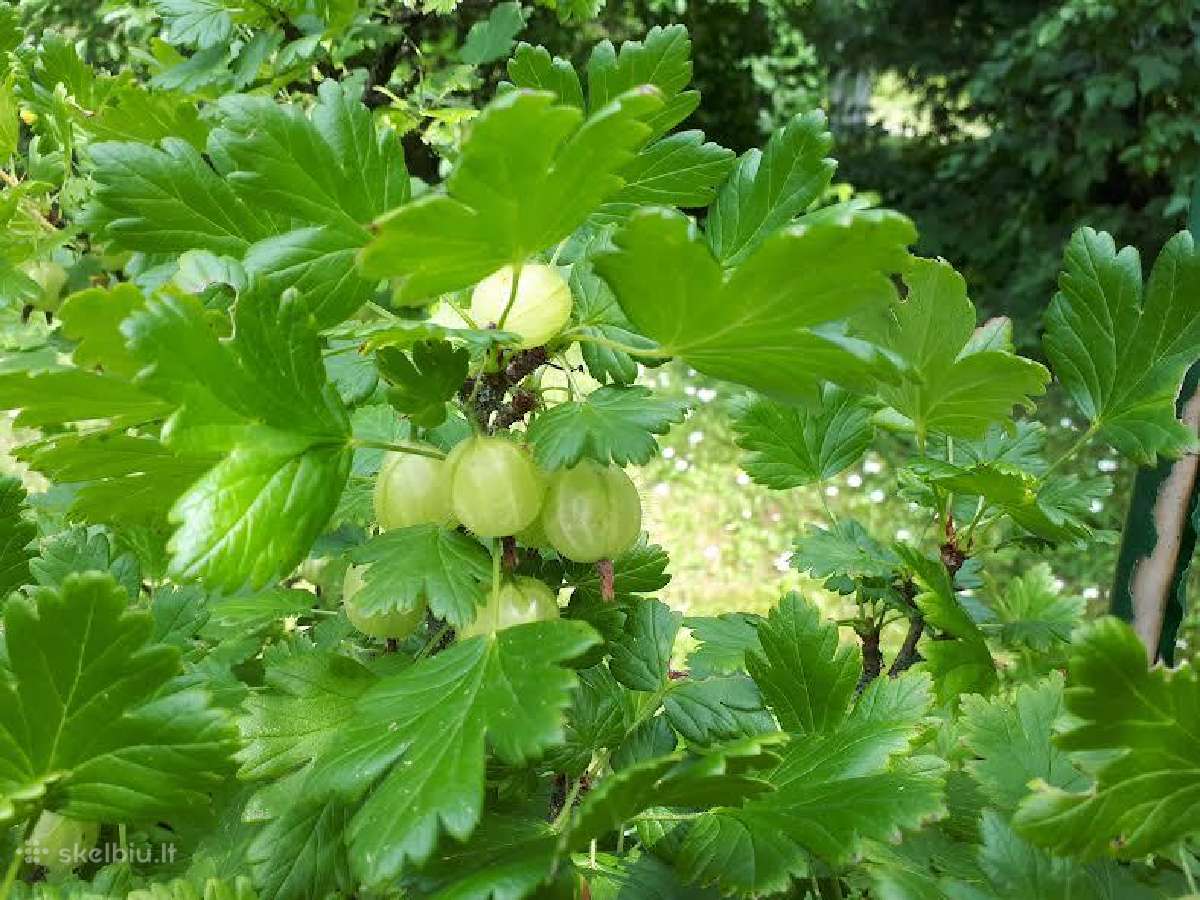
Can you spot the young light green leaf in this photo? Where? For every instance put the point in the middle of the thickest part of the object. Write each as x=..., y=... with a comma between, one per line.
x=92, y=318
x=495, y=211
x=955, y=383
x=842, y=550
x=1011, y=740
x=87, y=709
x=71, y=395
x=770, y=188
x=418, y=739
x=1121, y=354
x=772, y=323
x=424, y=563
x=1032, y=611
x=1041, y=507
x=612, y=424
x=791, y=446
x=1136, y=728
x=120, y=478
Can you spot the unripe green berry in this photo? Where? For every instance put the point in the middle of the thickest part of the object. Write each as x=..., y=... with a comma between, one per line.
x=496, y=488
x=592, y=512
x=518, y=602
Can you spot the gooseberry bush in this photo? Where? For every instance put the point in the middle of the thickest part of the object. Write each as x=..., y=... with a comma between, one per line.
x=326, y=572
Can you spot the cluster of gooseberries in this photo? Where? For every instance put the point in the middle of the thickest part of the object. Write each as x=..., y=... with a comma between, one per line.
x=491, y=486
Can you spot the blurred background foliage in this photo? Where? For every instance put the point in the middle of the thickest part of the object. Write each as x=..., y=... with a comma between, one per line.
x=998, y=125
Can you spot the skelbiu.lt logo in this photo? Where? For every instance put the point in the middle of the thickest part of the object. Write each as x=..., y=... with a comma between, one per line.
x=38, y=854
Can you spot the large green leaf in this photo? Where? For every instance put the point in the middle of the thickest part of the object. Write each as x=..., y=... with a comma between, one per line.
x=89, y=717
x=16, y=534
x=641, y=656
x=776, y=321
x=769, y=188
x=680, y=170
x=805, y=676
x=612, y=424
x=418, y=739
x=263, y=399
x=833, y=789
x=1135, y=729
x=662, y=59
x=290, y=194
x=119, y=478
x=529, y=174
x=425, y=564
x=791, y=446
x=72, y=395
x=1120, y=354
x=170, y=201
x=959, y=380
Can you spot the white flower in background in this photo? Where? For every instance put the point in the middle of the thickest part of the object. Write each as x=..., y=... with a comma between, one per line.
x=1066, y=423
x=668, y=452
x=692, y=373
x=783, y=561
x=831, y=491
x=1059, y=584
x=776, y=517
x=877, y=496
x=903, y=534
x=690, y=390
x=872, y=466
x=1097, y=506
x=706, y=395
x=681, y=465
x=695, y=437
x=662, y=489
x=1107, y=465
x=854, y=480
x=1091, y=593
x=746, y=514
x=742, y=478
x=712, y=551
